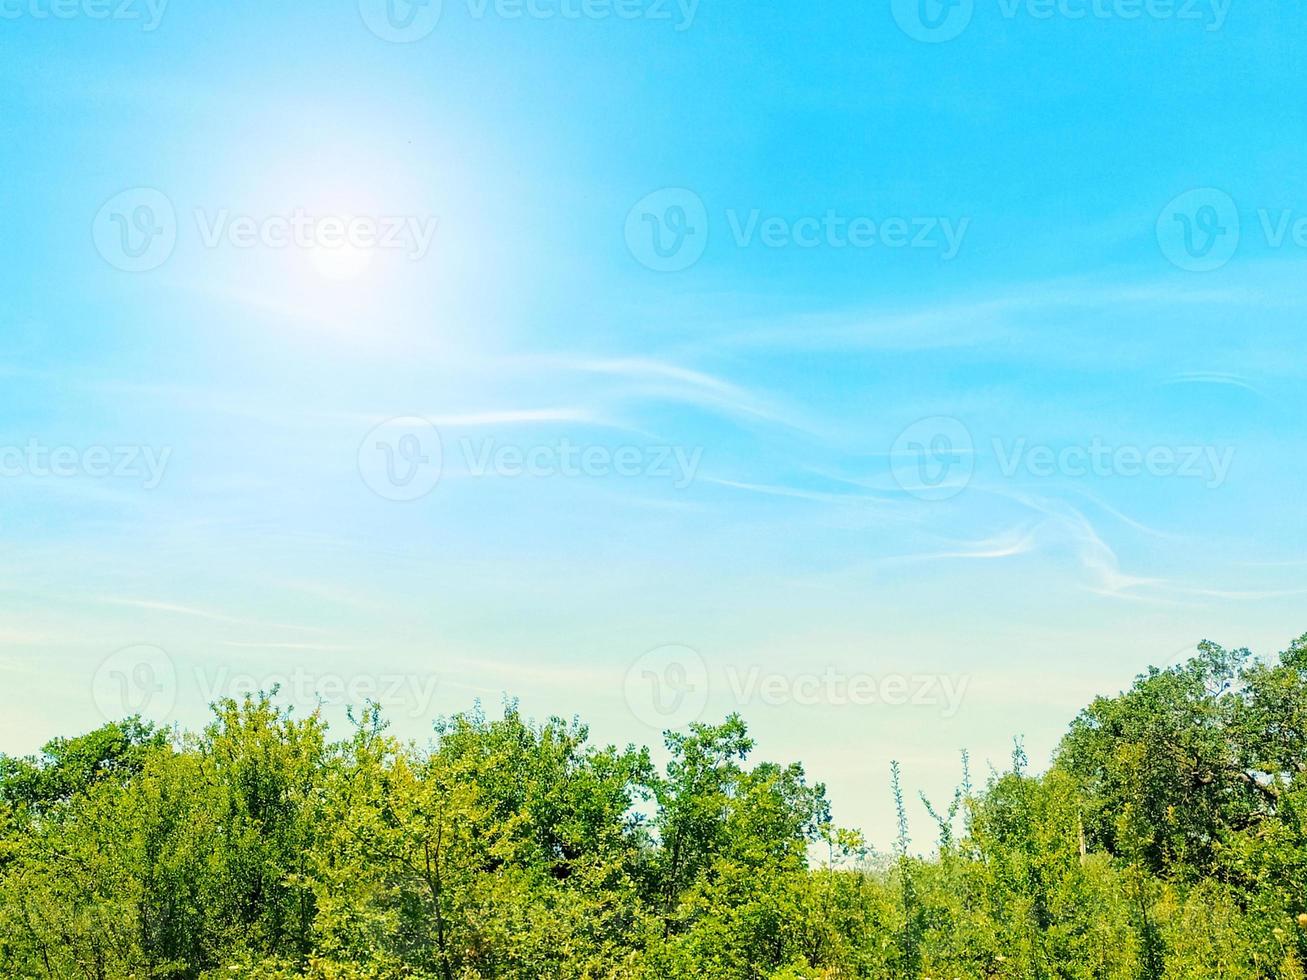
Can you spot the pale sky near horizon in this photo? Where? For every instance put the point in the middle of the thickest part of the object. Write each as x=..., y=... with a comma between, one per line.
x=900, y=376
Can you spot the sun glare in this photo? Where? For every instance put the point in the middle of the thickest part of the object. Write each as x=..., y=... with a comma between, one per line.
x=342, y=263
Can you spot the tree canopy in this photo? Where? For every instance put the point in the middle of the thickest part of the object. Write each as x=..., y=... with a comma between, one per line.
x=1166, y=840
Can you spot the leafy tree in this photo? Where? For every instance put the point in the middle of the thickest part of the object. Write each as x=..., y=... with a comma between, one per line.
x=1167, y=840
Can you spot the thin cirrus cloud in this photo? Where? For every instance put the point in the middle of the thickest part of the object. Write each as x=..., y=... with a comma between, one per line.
x=1213, y=378
x=1007, y=544
x=194, y=612
x=985, y=320
x=1106, y=577
x=795, y=493
x=646, y=380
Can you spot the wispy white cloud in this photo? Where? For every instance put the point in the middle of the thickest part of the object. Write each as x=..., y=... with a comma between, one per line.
x=780, y=490
x=195, y=612
x=1213, y=378
x=650, y=379
x=1006, y=544
x=965, y=323
x=1124, y=518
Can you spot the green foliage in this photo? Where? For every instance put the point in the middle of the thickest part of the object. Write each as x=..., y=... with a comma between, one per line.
x=68, y=766
x=1168, y=840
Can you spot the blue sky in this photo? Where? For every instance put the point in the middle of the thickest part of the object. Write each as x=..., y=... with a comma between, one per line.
x=704, y=358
